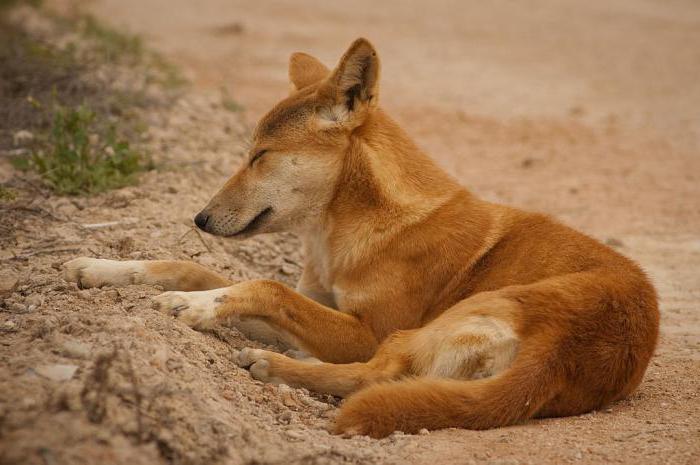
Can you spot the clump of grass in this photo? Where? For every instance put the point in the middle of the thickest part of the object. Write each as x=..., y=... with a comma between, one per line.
x=79, y=149
x=81, y=155
x=6, y=194
x=112, y=44
x=231, y=105
x=228, y=103
x=10, y=3
x=167, y=74
x=34, y=73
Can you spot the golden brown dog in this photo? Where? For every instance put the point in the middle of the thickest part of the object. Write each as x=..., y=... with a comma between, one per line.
x=429, y=307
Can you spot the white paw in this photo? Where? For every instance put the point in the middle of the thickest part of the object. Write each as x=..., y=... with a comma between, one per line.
x=97, y=272
x=257, y=361
x=196, y=309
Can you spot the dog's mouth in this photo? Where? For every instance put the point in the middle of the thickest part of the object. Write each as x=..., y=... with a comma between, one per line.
x=255, y=223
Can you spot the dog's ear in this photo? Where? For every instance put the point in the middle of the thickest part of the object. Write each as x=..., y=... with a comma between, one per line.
x=305, y=70
x=352, y=88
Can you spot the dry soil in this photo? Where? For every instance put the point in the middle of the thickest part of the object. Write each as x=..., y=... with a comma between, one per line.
x=584, y=110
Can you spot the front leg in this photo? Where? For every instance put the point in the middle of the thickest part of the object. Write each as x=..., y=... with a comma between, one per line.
x=169, y=274
x=327, y=334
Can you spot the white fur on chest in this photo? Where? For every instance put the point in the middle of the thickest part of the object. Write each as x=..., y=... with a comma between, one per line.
x=318, y=260
x=330, y=289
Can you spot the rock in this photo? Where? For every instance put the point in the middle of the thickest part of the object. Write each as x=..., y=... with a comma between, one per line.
x=56, y=372
x=113, y=294
x=34, y=301
x=75, y=349
x=577, y=111
x=527, y=163
x=125, y=246
x=173, y=364
x=67, y=397
x=8, y=283
x=103, y=437
x=287, y=269
x=28, y=403
x=9, y=327
x=160, y=358
x=284, y=388
x=287, y=395
x=22, y=137
x=15, y=307
x=229, y=395
x=45, y=327
x=296, y=435
x=613, y=242
x=423, y=432
x=313, y=403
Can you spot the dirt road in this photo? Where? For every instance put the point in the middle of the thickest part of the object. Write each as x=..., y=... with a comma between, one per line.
x=585, y=110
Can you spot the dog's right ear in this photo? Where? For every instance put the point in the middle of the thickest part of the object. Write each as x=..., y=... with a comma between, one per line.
x=351, y=91
x=305, y=70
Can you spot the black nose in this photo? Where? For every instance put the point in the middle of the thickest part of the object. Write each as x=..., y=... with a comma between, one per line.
x=201, y=220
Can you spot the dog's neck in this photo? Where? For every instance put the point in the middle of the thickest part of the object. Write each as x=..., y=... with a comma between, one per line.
x=387, y=179
x=386, y=185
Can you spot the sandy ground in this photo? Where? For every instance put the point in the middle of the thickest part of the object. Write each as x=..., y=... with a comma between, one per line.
x=585, y=110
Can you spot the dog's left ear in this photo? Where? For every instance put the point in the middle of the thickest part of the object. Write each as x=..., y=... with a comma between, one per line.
x=305, y=70
x=352, y=88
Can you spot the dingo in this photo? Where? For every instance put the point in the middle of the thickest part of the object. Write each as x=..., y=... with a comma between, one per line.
x=429, y=307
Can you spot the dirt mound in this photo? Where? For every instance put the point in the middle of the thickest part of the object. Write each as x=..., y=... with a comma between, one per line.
x=98, y=373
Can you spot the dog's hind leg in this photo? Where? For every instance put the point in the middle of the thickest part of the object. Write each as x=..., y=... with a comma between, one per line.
x=389, y=363
x=171, y=275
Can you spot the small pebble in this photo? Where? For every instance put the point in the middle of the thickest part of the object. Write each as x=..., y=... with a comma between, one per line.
x=75, y=349
x=35, y=300
x=57, y=372
x=22, y=137
x=295, y=434
x=287, y=270
x=8, y=283
x=614, y=242
x=15, y=307
x=9, y=327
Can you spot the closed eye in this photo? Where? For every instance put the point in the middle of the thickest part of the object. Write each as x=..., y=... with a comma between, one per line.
x=257, y=155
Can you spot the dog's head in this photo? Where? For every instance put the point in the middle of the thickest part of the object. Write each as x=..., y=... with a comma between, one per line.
x=298, y=148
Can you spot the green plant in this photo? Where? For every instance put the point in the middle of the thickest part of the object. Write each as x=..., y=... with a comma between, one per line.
x=167, y=74
x=82, y=155
x=112, y=44
x=229, y=103
x=6, y=194
x=10, y=3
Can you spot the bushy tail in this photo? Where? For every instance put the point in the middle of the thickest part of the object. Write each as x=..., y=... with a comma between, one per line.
x=432, y=403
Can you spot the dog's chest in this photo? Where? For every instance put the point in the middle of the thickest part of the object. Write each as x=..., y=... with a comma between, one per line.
x=329, y=268
x=318, y=260
x=320, y=263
